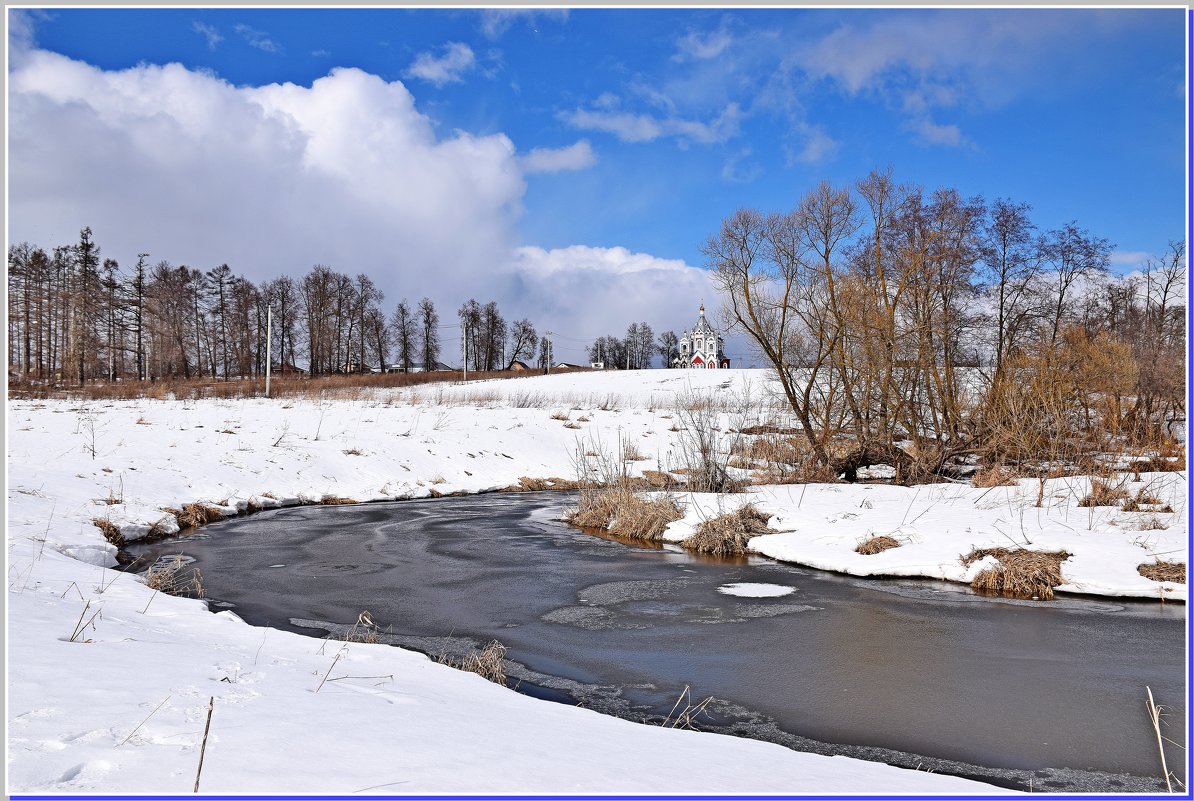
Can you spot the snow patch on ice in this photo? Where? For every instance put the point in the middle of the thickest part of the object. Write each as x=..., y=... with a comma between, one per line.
x=748, y=590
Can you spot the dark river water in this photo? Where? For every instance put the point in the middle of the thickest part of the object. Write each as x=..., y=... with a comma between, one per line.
x=1042, y=696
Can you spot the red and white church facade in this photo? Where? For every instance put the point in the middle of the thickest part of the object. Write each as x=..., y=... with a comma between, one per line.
x=701, y=348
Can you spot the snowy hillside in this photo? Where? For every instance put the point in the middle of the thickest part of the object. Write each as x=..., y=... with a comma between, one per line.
x=93, y=653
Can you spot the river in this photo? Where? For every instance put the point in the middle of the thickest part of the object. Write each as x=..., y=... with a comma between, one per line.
x=1029, y=695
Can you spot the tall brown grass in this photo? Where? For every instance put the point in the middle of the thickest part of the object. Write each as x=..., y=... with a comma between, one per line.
x=1161, y=570
x=1021, y=573
x=728, y=534
x=281, y=386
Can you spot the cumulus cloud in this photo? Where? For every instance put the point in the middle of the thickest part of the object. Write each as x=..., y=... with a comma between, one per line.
x=274, y=179
x=590, y=291
x=450, y=67
x=578, y=156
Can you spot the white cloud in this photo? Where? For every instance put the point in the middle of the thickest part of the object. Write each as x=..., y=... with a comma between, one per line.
x=1129, y=258
x=931, y=133
x=457, y=59
x=209, y=32
x=576, y=156
x=697, y=46
x=818, y=146
x=496, y=21
x=271, y=180
x=630, y=127
x=256, y=38
x=738, y=169
x=588, y=292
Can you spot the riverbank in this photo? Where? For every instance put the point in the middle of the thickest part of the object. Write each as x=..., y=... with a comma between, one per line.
x=122, y=462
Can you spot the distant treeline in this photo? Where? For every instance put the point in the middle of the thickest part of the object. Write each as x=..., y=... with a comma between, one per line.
x=74, y=318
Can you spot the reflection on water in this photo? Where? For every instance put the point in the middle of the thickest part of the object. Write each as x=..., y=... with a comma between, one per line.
x=879, y=669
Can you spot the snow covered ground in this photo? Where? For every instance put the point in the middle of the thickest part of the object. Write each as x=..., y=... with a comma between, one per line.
x=109, y=683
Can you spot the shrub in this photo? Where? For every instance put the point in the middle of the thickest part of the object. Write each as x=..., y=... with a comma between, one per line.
x=1021, y=573
x=728, y=534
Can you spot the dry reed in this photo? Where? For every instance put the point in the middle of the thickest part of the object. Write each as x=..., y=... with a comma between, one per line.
x=1103, y=493
x=728, y=534
x=994, y=476
x=1020, y=573
x=877, y=544
x=1161, y=570
x=110, y=531
x=623, y=511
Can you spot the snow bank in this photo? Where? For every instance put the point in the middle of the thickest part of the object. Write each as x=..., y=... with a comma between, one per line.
x=81, y=713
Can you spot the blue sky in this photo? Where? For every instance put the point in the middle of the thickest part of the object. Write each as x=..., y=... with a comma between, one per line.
x=626, y=129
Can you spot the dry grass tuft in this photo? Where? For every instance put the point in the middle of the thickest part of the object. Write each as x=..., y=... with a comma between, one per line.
x=195, y=514
x=1103, y=493
x=631, y=453
x=334, y=500
x=109, y=530
x=1020, y=573
x=1163, y=571
x=486, y=664
x=877, y=544
x=173, y=577
x=994, y=476
x=363, y=631
x=354, y=452
x=728, y=534
x=527, y=484
x=1142, y=498
x=623, y=511
x=657, y=479
x=1151, y=523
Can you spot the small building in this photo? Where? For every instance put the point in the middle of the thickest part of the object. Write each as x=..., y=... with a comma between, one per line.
x=519, y=367
x=417, y=367
x=570, y=366
x=701, y=347
x=286, y=369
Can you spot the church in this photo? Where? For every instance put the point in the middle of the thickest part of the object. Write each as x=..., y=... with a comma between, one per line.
x=701, y=348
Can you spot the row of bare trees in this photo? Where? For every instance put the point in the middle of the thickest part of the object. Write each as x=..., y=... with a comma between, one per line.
x=74, y=319
x=911, y=328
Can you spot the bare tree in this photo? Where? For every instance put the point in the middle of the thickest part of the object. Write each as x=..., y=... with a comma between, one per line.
x=429, y=336
x=405, y=330
x=523, y=341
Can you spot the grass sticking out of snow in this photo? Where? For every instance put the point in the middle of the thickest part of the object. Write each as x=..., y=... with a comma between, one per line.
x=728, y=534
x=994, y=476
x=1020, y=573
x=624, y=511
x=195, y=514
x=109, y=530
x=1103, y=493
x=877, y=544
x=1161, y=570
x=487, y=663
